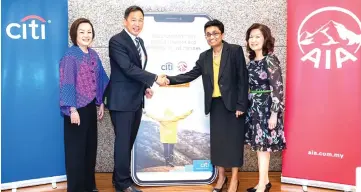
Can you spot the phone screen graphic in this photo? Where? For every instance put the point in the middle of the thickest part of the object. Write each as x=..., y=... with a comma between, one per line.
x=172, y=145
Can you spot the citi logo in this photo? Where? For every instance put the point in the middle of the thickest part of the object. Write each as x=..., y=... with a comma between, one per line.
x=167, y=67
x=28, y=30
x=204, y=165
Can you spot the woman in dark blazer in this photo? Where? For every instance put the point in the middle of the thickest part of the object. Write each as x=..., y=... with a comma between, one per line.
x=225, y=83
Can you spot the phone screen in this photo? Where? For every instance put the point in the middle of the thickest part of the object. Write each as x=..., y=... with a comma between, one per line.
x=172, y=146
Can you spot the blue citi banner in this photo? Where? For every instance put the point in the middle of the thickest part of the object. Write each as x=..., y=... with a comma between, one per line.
x=34, y=38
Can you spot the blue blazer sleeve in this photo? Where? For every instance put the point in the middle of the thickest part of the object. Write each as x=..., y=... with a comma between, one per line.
x=119, y=54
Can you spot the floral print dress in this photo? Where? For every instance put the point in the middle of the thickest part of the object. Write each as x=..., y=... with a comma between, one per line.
x=266, y=96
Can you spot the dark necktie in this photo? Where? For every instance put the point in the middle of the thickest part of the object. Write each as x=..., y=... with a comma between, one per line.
x=139, y=47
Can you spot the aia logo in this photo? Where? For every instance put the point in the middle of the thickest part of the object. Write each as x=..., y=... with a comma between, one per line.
x=31, y=26
x=330, y=42
x=182, y=66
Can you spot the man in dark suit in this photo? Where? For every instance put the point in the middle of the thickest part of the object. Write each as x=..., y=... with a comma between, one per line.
x=129, y=82
x=225, y=82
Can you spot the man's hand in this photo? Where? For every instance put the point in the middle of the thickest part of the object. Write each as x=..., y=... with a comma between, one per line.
x=239, y=113
x=148, y=93
x=162, y=80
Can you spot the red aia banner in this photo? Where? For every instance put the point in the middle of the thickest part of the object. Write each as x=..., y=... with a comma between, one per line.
x=323, y=94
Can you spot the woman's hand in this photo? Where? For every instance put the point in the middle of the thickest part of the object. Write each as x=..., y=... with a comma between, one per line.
x=272, y=121
x=101, y=111
x=238, y=113
x=74, y=116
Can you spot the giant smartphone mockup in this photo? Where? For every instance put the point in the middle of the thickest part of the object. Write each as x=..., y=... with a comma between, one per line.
x=173, y=142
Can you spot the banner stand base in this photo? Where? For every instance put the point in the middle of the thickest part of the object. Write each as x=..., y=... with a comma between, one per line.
x=312, y=183
x=33, y=182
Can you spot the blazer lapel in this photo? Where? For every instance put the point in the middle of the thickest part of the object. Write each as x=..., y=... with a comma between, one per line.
x=209, y=64
x=224, y=58
x=132, y=45
x=145, y=53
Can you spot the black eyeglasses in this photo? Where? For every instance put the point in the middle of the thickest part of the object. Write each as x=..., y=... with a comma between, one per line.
x=209, y=35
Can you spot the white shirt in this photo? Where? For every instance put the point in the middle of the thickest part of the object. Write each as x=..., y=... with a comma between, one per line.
x=142, y=58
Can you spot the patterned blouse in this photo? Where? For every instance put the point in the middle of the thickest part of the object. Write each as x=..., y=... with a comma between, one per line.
x=266, y=75
x=82, y=79
x=276, y=83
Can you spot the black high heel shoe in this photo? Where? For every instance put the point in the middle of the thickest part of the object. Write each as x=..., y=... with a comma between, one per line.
x=223, y=185
x=268, y=187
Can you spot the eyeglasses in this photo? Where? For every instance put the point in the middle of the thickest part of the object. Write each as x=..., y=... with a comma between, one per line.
x=209, y=35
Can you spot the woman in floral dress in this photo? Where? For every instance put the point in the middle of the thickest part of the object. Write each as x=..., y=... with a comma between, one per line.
x=264, y=118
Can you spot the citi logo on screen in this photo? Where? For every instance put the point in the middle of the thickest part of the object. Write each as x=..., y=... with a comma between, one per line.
x=167, y=66
x=29, y=27
x=202, y=165
x=329, y=43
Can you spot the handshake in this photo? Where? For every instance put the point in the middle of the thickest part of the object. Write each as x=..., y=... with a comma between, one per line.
x=162, y=80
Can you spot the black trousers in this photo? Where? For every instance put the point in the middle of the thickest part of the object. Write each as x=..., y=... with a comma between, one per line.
x=81, y=149
x=126, y=126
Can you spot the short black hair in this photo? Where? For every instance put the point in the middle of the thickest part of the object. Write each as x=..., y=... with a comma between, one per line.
x=132, y=8
x=215, y=23
x=74, y=29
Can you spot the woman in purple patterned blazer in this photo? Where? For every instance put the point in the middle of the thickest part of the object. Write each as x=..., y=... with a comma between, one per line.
x=82, y=84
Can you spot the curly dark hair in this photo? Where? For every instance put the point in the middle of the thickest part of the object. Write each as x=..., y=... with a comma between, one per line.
x=269, y=41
